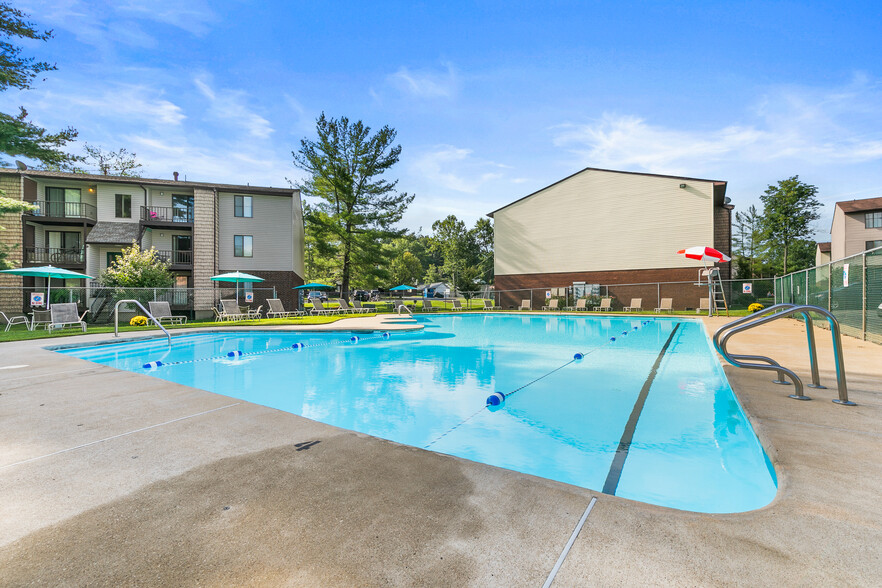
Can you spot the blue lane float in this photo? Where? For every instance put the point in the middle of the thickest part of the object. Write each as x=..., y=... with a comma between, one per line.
x=496, y=399
x=578, y=356
x=298, y=346
x=386, y=335
x=354, y=339
x=236, y=353
x=152, y=364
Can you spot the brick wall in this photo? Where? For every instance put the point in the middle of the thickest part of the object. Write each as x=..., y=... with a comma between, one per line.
x=204, y=249
x=284, y=282
x=622, y=286
x=723, y=238
x=11, y=300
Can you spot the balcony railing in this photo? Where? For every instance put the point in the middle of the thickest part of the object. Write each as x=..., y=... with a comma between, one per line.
x=54, y=256
x=54, y=209
x=166, y=214
x=179, y=257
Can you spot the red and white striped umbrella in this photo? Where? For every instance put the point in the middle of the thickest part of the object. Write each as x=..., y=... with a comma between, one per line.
x=706, y=254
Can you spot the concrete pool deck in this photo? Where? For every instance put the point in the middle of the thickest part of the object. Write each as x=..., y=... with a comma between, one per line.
x=114, y=478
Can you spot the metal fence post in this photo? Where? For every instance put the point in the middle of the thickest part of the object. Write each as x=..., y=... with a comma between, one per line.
x=829, y=288
x=864, y=296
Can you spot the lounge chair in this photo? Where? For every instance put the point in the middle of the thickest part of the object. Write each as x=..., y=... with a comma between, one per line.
x=581, y=304
x=488, y=305
x=65, y=314
x=457, y=305
x=357, y=307
x=525, y=305
x=703, y=304
x=552, y=305
x=427, y=305
x=319, y=308
x=230, y=311
x=345, y=308
x=19, y=319
x=255, y=313
x=605, y=304
x=161, y=311
x=666, y=304
x=277, y=309
x=636, y=304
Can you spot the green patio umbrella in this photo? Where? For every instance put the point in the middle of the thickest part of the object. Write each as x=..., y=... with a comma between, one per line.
x=237, y=277
x=48, y=272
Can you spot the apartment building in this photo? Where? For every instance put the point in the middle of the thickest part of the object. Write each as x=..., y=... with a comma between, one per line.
x=82, y=222
x=609, y=227
x=857, y=226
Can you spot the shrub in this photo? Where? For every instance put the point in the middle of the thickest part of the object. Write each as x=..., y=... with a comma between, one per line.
x=755, y=307
x=138, y=321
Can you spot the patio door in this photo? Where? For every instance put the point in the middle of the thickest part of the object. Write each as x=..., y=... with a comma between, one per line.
x=63, y=202
x=182, y=249
x=182, y=208
x=179, y=297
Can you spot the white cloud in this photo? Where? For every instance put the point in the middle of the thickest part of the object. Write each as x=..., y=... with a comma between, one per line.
x=454, y=168
x=813, y=127
x=426, y=83
x=230, y=106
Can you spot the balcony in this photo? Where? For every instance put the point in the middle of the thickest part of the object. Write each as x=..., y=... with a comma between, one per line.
x=166, y=216
x=54, y=212
x=179, y=260
x=55, y=256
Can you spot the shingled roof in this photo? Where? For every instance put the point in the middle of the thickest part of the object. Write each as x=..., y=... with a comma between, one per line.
x=109, y=233
x=860, y=205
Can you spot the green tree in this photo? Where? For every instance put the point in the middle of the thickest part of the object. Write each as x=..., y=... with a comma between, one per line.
x=18, y=136
x=137, y=268
x=10, y=206
x=466, y=254
x=357, y=209
x=482, y=236
x=789, y=209
x=113, y=163
x=406, y=269
x=746, y=238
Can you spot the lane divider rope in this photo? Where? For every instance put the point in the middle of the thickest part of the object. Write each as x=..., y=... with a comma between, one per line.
x=237, y=353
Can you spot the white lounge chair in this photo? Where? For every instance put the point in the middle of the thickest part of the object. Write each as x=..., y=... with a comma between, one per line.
x=277, y=309
x=65, y=314
x=319, y=308
x=581, y=304
x=636, y=304
x=666, y=304
x=457, y=305
x=703, y=305
x=161, y=311
x=427, y=305
x=488, y=305
x=525, y=305
x=605, y=304
x=254, y=314
x=230, y=311
x=18, y=319
x=357, y=307
x=345, y=307
x=553, y=304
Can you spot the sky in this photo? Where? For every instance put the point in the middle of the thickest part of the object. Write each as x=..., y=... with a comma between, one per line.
x=492, y=100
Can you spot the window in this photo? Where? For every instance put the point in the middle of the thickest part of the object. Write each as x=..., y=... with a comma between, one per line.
x=112, y=256
x=63, y=202
x=242, y=206
x=123, y=206
x=242, y=245
x=63, y=240
x=873, y=244
x=873, y=220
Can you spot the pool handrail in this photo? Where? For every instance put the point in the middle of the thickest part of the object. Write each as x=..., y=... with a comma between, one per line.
x=782, y=311
x=146, y=312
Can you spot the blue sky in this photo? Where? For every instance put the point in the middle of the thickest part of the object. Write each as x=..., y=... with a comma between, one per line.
x=491, y=100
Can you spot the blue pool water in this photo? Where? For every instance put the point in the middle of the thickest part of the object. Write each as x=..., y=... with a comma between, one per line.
x=691, y=446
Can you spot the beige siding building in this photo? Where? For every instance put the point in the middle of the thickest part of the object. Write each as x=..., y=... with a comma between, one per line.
x=611, y=227
x=83, y=221
x=857, y=226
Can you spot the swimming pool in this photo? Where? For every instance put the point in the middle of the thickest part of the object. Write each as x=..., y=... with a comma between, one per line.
x=649, y=416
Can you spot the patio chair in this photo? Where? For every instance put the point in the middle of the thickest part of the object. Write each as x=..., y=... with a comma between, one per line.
x=218, y=317
x=65, y=314
x=605, y=304
x=254, y=314
x=488, y=305
x=552, y=305
x=230, y=311
x=345, y=307
x=457, y=305
x=319, y=308
x=703, y=305
x=427, y=305
x=161, y=311
x=581, y=304
x=18, y=319
x=277, y=309
x=525, y=305
x=357, y=307
x=636, y=304
x=666, y=304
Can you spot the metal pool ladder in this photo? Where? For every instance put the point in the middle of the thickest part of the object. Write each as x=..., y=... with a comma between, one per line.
x=146, y=312
x=775, y=312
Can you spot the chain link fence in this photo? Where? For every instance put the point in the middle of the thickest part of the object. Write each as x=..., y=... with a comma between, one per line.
x=850, y=288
